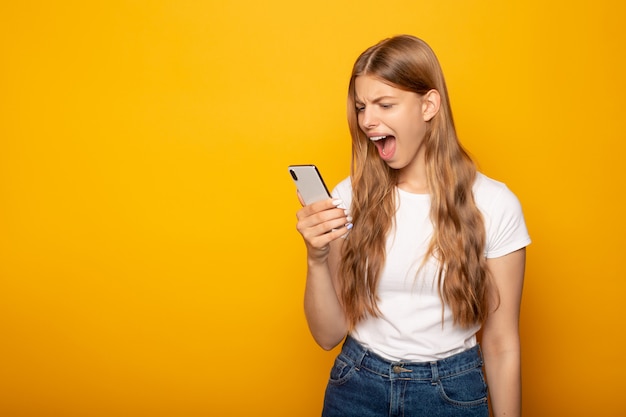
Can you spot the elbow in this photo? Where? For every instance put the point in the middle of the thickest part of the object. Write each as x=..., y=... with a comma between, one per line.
x=329, y=343
x=328, y=336
x=501, y=345
x=327, y=346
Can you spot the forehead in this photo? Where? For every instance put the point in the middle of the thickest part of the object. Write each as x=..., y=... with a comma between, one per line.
x=369, y=88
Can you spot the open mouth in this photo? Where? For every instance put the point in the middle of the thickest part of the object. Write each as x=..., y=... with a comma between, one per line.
x=386, y=145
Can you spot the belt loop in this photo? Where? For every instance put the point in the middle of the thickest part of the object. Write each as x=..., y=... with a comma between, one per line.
x=362, y=356
x=435, y=373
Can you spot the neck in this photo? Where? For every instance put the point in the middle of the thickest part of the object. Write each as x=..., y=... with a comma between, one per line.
x=416, y=187
x=412, y=178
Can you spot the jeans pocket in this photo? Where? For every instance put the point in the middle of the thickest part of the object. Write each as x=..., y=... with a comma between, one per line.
x=467, y=389
x=341, y=371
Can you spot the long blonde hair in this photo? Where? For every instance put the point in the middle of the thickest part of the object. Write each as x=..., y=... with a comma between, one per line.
x=458, y=240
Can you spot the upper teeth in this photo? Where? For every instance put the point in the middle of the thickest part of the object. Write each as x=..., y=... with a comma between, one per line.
x=375, y=138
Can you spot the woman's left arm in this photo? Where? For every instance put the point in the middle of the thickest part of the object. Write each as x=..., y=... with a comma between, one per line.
x=500, y=337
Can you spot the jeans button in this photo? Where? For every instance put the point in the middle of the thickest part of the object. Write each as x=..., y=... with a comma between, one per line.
x=397, y=369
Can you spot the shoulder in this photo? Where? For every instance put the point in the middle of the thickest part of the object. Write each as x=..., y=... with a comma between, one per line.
x=504, y=219
x=490, y=194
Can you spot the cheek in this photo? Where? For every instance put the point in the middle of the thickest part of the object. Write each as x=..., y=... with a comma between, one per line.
x=404, y=126
x=418, y=126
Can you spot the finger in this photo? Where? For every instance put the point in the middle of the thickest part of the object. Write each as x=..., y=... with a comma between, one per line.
x=322, y=222
x=319, y=206
x=321, y=242
x=311, y=229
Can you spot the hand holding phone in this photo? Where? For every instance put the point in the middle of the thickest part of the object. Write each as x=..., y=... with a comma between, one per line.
x=312, y=188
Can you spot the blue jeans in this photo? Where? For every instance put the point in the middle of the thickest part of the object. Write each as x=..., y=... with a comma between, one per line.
x=362, y=384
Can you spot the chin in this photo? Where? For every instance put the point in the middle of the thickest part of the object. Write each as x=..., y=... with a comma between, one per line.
x=397, y=165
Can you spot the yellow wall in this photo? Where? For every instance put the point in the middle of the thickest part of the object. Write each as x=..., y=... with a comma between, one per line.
x=149, y=263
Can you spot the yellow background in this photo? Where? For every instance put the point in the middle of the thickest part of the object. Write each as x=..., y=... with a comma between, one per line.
x=149, y=262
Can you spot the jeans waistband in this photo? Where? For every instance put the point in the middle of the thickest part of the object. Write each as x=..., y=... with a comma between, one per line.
x=433, y=371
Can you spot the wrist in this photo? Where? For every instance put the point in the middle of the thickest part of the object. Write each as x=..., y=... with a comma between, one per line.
x=317, y=261
x=317, y=257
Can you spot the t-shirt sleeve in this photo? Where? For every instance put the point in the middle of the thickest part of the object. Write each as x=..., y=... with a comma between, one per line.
x=343, y=191
x=505, y=225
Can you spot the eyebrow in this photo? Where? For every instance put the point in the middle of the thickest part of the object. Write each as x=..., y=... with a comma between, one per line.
x=375, y=101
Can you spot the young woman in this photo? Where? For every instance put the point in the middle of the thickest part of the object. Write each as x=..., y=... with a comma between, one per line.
x=415, y=253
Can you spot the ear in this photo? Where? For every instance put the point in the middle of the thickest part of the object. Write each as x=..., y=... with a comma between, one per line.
x=431, y=101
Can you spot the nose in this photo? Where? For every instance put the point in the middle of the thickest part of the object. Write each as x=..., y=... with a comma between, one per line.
x=369, y=119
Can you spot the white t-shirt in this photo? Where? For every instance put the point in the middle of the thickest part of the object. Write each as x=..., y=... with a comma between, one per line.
x=410, y=326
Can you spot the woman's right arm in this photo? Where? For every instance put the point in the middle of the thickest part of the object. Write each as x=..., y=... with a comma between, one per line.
x=322, y=225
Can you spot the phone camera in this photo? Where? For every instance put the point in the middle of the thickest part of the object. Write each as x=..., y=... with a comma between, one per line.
x=293, y=174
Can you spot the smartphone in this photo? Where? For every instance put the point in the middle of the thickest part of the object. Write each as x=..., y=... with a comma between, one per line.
x=309, y=182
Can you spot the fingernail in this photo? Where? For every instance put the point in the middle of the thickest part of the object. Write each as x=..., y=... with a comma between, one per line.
x=349, y=226
x=346, y=212
x=337, y=202
x=349, y=219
